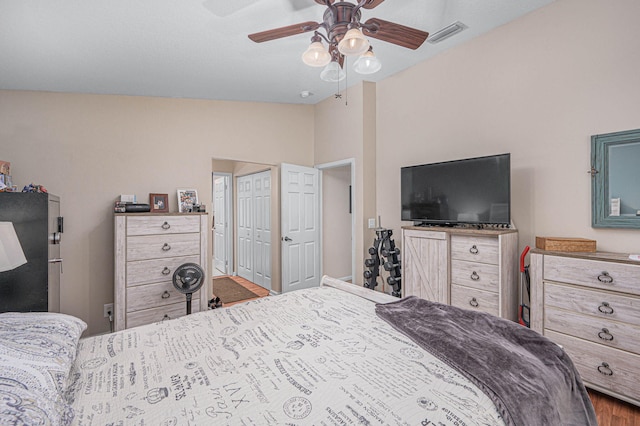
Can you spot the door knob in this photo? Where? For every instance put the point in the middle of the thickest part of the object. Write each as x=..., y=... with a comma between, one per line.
x=287, y=239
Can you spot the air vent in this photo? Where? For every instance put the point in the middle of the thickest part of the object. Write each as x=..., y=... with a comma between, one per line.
x=446, y=32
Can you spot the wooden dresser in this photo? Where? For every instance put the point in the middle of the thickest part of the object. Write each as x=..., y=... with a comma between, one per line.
x=465, y=267
x=148, y=249
x=590, y=304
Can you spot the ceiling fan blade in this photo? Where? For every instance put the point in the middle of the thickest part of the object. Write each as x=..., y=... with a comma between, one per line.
x=324, y=2
x=284, y=31
x=408, y=37
x=370, y=4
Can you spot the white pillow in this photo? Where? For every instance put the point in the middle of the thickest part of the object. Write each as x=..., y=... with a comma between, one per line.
x=37, y=350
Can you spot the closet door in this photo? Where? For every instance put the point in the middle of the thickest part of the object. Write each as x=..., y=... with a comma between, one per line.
x=262, y=229
x=245, y=227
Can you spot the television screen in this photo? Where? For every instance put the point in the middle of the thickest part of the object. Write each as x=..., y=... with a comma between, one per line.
x=473, y=190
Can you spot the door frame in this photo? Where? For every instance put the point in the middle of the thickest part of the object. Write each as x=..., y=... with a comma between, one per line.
x=229, y=211
x=340, y=163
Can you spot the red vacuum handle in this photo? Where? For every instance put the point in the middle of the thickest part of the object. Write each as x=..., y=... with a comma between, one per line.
x=524, y=253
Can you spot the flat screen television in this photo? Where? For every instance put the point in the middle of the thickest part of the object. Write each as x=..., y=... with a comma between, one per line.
x=470, y=191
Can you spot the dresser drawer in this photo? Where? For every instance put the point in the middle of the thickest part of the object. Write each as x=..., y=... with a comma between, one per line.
x=155, y=270
x=605, y=332
x=602, y=304
x=154, y=295
x=474, y=249
x=162, y=246
x=161, y=313
x=471, y=298
x=589, y=357
x=482, y=276
x=597, y=274
x=152, y=224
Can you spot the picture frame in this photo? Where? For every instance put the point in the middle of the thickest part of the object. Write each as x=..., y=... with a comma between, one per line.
x=187, y=199
x=159, y=203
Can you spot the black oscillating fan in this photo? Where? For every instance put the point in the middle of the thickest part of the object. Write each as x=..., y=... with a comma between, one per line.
x=187, y=279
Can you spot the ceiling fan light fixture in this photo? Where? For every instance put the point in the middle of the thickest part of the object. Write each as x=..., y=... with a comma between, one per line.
x=316, y=55
x=353, y=43
x=332, y=73
x=368, y=63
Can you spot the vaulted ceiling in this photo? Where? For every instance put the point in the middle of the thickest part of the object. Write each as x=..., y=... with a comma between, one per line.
x=200, y=49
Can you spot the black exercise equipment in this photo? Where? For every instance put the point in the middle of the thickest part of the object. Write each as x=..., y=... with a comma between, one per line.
x=384, y=246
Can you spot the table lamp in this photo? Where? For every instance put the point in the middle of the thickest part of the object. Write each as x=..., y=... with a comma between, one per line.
x=11, y=254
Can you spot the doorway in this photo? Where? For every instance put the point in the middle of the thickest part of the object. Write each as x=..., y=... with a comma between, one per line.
x=338, y=245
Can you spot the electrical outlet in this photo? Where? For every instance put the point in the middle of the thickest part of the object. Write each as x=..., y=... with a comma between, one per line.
x=108, y=308
x=372, y=223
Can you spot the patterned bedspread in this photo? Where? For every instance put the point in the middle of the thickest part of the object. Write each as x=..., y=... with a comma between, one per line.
x=319, y=356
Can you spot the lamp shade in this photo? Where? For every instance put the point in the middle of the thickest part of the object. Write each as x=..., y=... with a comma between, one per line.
x=367, y=63
x=11, y=254
x=353, y=43
x=316, y=55
x=332, y=72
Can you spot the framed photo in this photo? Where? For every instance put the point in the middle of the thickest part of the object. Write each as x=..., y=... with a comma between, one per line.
x=187, y=199
x=159, y=203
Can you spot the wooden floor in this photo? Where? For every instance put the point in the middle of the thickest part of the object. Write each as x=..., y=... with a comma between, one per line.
x=613, y=412
x=254, y=288
x=610, y=411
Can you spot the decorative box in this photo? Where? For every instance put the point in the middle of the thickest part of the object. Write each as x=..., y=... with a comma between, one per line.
x=566, y=244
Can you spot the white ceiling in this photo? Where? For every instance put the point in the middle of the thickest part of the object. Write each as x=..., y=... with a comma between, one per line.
x=200, y=49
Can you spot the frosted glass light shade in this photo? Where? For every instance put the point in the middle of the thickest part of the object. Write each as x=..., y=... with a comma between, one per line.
x=353, y=43
x=11, y=254
x=367, y=63
x=332, y=73
x=316, y=55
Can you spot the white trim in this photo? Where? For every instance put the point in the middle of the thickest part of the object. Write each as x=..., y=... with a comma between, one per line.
x=341, y=163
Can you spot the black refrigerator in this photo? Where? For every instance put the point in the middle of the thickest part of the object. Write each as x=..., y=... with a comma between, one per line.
x=34, y=286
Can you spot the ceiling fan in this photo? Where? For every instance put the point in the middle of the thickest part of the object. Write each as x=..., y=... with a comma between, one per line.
x=345, y=36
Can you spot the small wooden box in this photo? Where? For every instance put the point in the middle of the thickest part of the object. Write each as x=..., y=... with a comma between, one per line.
x=566, y=244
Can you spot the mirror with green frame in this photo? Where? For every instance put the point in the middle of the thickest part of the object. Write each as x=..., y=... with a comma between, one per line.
x=615, y=186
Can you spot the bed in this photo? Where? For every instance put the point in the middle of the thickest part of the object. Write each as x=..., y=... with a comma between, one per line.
x=333, y=355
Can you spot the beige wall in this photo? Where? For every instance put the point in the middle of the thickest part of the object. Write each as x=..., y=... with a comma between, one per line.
x=88, y=149
x=538, y=87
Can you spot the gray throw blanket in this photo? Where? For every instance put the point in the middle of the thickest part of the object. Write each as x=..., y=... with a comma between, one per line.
x=530, y=379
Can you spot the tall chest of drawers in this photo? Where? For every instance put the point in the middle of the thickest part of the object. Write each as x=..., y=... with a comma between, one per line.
x=590, y=304
x=148, y=249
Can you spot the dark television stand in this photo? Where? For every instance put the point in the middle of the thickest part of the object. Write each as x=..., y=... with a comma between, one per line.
x=464, y=225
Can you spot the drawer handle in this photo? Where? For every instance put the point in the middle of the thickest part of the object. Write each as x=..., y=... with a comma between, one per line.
x=166, y=317
x=166, y=247
x=605, y=335
x=473, y=249
x=604, y=369
x=605, y=308
x=166, y=295
x=166, y=271
x=604, y=277
x=166, y=225
x=475, y=276
x=473, y=302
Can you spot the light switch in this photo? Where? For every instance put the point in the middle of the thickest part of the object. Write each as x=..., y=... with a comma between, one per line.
x=372, y=223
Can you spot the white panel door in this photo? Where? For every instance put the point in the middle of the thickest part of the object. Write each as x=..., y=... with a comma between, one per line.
x=245, y=227
x=300, y=227
x=262, y=229
x=219, y=224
